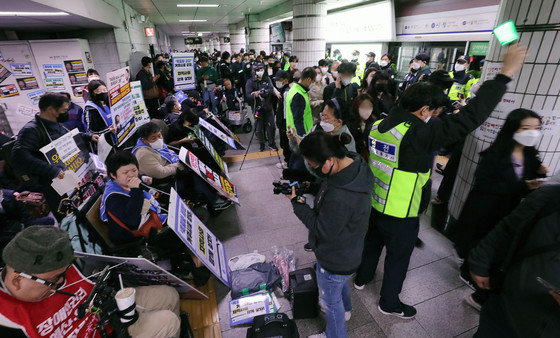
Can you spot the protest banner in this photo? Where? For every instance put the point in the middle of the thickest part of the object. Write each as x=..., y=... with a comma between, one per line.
x=201, y=241
x=183, y=71
x=226, y=130
x=138, y=271
x=211, y=150
x=220, y=134
x=138, y=105
x=122, y=110
x=220, y=183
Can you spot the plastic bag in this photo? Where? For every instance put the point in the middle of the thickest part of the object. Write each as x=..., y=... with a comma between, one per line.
x=244, y=261
x=285, y=262
x=257, y=277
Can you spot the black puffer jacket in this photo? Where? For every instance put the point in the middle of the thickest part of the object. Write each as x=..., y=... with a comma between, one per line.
x=526, y=245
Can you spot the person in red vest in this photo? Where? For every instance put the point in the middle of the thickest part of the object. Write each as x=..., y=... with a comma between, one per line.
x=40, y=291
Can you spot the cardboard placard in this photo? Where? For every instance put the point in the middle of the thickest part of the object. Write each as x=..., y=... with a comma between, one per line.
x=140, y=111
x=183, y=71
x=220, y=183
x=226, y=130
x=220, y=134
x=244, y=309
x=201, y=241
x=138, y=271
x=122, y=110
x=211, y=150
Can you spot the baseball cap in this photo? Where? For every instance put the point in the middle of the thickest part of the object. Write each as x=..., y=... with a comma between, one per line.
x=422, y=57
x=281, y=74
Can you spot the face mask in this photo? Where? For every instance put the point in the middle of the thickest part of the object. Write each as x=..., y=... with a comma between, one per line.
x=528, y=138
x=318, y=78
x=101, y=97
x=416, y=65
x=345, y=82
x=319, y=172
x=93, y=77
x=157, y=144
x=334, y=73
x=324, y=70
x=260, y=73
x=459, y=67
x=327, y=127
x=364, y=113
x=62, y=117
x=383, y=63
x=269, y=70
x=279, y=84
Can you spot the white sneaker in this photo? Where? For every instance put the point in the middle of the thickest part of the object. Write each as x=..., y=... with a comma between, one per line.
x=318, y=335
x=470, y=300
x=282, y=165
x=347, y=315
x=358, y=287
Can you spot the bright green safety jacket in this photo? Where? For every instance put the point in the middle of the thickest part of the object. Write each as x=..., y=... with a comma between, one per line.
x=457, y=88
x=397, y=193
x=307, y=116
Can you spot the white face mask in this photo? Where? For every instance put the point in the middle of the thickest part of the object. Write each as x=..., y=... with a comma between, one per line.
x=528, y=138
x=365, y=113
x=383, y=63
x=318, y=78
x=260, y=73
x=279, y=84
x=327, y=127
x=324, y=70
x=269, y=71
x=459, y=67
x=334, y=73
x=157, y=145
x=416, y=65
x=345, y=82
x=93, y=77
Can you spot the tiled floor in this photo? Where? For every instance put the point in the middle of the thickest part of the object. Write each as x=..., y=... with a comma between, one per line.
x=264, y=220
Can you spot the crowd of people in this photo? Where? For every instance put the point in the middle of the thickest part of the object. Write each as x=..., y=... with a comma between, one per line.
x=363, y=141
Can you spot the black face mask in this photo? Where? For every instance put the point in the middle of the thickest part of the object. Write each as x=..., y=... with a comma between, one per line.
x=319, y=172
x=101, y=97
x=412, y=70
x=62, y=117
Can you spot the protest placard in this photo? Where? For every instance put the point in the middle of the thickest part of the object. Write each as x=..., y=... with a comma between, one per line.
x=220, y=134
x=201, y=241
x=211, y=150
x=122, y=110
x=183, y=71
x=139, y=106
x=226, y=130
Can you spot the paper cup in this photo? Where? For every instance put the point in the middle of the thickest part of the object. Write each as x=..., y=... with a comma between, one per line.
x=125, y=298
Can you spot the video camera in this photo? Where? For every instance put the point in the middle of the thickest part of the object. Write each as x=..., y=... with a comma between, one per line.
x=285, y=188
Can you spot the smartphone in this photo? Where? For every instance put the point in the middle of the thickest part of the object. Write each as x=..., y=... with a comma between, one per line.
x=506, y=33
x=548, y=285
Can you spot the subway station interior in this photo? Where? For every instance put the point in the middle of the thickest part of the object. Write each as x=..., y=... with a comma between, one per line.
x=280, y=168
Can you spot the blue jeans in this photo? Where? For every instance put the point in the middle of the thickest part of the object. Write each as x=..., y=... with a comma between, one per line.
x=209, y=96
x=334, y=297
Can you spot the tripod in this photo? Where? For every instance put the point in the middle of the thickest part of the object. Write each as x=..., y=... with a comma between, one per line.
x=257, y=117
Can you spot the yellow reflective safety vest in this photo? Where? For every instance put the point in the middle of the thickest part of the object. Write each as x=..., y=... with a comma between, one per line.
x=457, y=88
x=307, y=114
x=396, y=193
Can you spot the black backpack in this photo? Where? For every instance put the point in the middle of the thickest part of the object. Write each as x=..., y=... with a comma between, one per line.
x=276, y=325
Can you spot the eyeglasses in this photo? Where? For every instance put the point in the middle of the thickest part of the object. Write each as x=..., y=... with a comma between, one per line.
x=55, y=284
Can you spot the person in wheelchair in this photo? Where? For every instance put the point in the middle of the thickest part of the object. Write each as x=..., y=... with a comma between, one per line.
x=181, y=131
x=41, y=289
x=229, y=94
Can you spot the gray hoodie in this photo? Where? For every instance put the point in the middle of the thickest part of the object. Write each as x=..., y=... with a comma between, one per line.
x=339, y=219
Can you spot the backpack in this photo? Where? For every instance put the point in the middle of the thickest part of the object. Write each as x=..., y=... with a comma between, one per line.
x=276, y=325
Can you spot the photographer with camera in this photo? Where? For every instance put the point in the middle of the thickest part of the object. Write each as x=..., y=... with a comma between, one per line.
x=337, y=222
x=41, y=290
x=259, y=94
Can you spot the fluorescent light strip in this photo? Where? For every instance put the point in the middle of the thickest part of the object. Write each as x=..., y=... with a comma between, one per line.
x=193, y=20
x=195, y=5
x=33, y=13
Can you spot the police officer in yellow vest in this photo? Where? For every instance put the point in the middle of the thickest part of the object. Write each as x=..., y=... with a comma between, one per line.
x=298, y=109
x=401, y=148
x=463, y=80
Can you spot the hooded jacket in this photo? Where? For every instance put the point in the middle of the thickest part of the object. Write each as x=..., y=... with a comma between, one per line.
x=339, y=219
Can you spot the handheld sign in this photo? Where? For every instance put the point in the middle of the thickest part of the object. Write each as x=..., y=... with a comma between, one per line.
x=226, y=130
x=201, y=241
x=206, y=142
x=122, y=109
x=506, y=33
x=221, y=135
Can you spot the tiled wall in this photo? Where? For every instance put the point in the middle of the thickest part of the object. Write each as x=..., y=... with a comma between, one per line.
x=237, y=37
x=259, y=37
x=536, y=87
x=309, y=21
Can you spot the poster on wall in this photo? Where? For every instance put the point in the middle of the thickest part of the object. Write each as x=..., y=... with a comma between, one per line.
x=78, y=78
x=550, y=122
x=26, y=111
x=140, y=111
x=53, y=70
x=201, y=241
x=120, y=97
x=183, y=71
x=8, y=91
x=220, y=183
x=78, y=91
x=4, y=73
x=35, y=96
x=489, y=129
x=21, y=69
x=73, y=66
x=54, y=84
x=27, y=83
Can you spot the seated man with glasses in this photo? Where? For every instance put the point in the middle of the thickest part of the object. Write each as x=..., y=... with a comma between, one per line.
x=40, y=291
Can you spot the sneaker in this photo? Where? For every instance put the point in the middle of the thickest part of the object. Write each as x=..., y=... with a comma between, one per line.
x=221, y=205
x=318, y=335
x=307, y=247
x=273, y=146
x=347, y=315
x=472, y=302
x=282, y=165
x=467, y=280
x=358, y=286
x=405, y=311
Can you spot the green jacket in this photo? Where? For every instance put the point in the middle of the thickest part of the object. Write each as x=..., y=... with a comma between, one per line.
x=207, y=71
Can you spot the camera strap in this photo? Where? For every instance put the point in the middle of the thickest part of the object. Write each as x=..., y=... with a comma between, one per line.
x=131, y=318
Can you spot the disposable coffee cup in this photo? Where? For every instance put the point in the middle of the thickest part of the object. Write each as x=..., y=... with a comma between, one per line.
x=125, y=298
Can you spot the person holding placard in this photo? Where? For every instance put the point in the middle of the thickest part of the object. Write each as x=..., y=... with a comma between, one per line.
x=97, y=113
